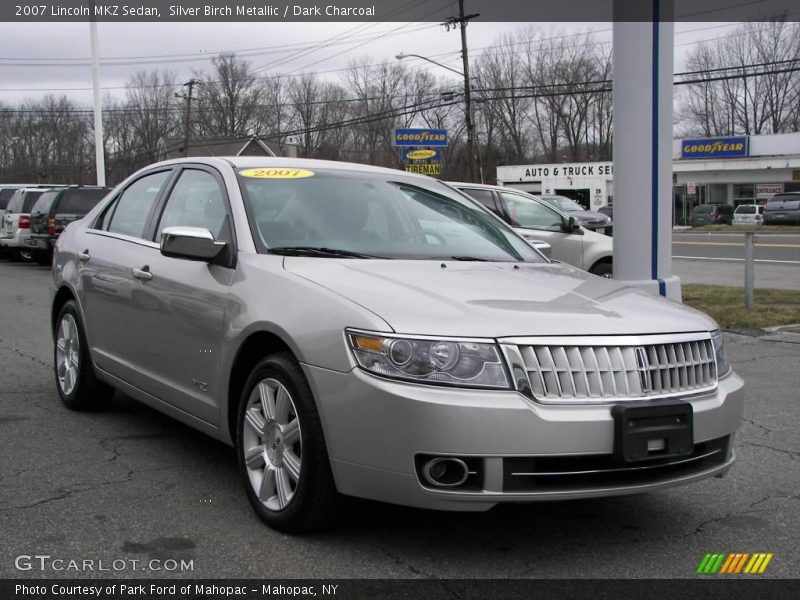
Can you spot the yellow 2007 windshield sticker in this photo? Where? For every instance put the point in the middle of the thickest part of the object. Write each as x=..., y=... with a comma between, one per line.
x=276, y=173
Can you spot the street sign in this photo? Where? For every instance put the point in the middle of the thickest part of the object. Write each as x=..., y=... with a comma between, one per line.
x=691, y=188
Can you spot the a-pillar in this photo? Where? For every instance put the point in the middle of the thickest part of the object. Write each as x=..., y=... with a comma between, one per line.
x=642, y=100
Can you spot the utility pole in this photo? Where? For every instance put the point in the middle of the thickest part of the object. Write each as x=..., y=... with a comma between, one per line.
x=462, y=21
x=187, y=118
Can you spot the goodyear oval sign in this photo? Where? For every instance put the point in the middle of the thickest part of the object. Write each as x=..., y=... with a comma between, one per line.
x=276, y=173
x=421, y=154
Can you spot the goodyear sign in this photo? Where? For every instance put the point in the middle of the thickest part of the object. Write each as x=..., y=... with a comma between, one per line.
x=722, y=147
x=419, y=137
x=421, y=154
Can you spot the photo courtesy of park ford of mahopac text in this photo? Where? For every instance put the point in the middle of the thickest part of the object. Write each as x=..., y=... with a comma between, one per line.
x=436, y=299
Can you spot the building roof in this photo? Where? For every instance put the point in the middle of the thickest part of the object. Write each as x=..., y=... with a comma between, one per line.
x=220, y=146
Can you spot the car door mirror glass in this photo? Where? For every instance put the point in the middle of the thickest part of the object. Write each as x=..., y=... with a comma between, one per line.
x=191, y=243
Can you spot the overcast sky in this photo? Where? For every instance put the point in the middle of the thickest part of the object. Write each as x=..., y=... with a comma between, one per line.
x=147, y=46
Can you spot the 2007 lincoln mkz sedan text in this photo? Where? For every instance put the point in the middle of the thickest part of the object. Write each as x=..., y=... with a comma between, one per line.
x=367, y=332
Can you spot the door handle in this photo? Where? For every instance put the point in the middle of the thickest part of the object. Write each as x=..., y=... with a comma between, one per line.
x=84, y=256
x=144, y=273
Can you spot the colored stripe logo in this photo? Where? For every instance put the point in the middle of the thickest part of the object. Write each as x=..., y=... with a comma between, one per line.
x=734, y=563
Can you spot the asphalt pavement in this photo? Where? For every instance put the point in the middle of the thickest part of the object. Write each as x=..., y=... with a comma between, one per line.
x=129, y=483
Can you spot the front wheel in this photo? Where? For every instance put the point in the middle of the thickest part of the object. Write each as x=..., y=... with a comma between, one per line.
x=282, y=456
x=77, y=384
x=603, y=269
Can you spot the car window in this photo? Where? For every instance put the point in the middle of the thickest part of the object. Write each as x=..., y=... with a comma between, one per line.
x=746, y=210
x=80, y=201
x=44, y=202
x=527, y=212
x=703, y=209
x=15, y=202
x=563, y=203
x=195, y=201
x=485, y=197
x=133, y=207
x=784, y=202
x=5, y=196
x=29, y=201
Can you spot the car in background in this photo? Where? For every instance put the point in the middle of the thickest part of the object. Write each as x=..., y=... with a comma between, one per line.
x=588, y=219
x=373, y=333
x=783, y=209
x=711, y=214
x=15, y=228
x=607, y=211
x=7, y=191
x=534, y=220
x=54, y=210
x=749, y=214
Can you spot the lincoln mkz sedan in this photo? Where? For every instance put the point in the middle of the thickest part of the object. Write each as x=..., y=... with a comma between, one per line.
x=359, y=331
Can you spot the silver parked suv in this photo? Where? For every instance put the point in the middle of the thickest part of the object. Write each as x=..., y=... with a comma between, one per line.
x=367, y=332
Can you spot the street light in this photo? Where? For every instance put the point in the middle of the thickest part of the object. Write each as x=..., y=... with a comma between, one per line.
x=467, y=110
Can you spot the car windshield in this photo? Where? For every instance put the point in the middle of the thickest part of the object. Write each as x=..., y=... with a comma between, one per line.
x=563, y=203
x=332, y=213
x=746, y=210
x=704, y=208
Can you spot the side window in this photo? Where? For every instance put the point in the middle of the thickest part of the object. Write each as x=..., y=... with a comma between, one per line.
x=195, y=201
x=526, y=212
x=485, y=197
x=131, y=210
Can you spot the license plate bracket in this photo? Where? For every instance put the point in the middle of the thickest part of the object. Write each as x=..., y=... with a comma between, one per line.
x=645, y=431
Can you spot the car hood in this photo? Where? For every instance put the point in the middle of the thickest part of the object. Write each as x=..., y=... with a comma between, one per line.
x=483, y=299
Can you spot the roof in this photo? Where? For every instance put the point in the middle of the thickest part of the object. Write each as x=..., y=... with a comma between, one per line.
x=253, y=162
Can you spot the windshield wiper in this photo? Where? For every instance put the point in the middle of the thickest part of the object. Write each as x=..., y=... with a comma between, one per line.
x=314, y=251
x=469, y=258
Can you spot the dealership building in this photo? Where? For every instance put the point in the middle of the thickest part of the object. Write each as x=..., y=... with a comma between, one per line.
x=731, y=170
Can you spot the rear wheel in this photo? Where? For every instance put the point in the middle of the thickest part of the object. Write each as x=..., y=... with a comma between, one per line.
x=77, y=385
x=281, y=449
x=20, y=255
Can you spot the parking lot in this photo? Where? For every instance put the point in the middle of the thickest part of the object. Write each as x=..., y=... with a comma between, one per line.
x=130, y=483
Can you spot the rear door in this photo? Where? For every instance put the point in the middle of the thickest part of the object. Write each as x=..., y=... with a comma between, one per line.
x=110, y=249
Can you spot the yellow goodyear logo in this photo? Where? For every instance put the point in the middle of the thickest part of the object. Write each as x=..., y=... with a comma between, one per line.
x=734, y=563
x=421, y=154
x=276, y=173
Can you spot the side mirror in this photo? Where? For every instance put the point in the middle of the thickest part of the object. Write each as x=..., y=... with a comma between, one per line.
x=192, y=243
x=569, y=225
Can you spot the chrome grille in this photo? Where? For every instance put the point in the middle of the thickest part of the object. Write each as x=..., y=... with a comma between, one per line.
x=586, y=371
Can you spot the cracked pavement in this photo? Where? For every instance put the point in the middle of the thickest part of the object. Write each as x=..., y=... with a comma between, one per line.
x=131, y=483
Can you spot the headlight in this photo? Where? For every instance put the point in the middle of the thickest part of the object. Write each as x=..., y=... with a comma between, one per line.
x=723, y=364
x=447, y=361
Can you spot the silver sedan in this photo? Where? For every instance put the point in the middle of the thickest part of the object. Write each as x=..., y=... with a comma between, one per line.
x=362, y=331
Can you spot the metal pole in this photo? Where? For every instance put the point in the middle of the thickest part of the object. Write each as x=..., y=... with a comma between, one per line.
x=99, y=150
x=749, y=280
x=473, y=172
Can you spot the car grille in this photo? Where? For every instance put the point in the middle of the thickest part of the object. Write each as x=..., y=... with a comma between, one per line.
x=583, y=371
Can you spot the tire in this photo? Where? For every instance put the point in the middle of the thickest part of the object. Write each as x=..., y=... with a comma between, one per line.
x=17, y=255
x=602, y=269
x=76, y=382
x=43, y=257
x=281, y=449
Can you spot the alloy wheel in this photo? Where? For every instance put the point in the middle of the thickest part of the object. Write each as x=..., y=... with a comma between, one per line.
x=272, y=444
x=68, y=348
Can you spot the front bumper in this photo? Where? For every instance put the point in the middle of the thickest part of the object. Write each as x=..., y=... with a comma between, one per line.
x=377, y=431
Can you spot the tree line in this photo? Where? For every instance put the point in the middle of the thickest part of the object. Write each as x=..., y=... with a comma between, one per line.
x=538, y=96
